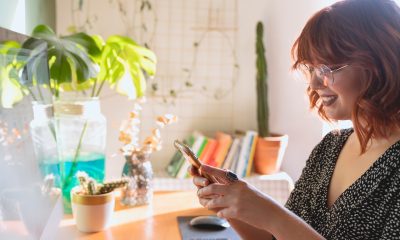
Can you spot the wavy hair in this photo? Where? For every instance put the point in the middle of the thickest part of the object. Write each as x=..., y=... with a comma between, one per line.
x=365, y=34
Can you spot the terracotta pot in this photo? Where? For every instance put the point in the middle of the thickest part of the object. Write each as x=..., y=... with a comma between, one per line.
x=269, y=153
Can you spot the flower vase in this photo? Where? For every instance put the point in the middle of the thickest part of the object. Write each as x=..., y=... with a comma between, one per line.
x=139, y=170
x=81, y=139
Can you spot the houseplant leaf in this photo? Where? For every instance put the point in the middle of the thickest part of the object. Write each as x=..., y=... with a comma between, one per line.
x=68, y=57
x=85, y=41
x=10, y=89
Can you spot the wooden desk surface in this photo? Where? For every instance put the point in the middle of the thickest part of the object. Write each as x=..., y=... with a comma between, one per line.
x=155, y=221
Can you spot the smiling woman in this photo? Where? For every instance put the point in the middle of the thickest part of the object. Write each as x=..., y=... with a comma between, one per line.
x=349, y=188
x=324, y=41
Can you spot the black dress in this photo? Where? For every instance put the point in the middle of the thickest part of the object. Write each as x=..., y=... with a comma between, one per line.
x=368, y=209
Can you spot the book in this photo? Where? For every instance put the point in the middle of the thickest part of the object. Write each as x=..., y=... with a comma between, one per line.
x=244, y=153
x=208, y=151
x=231, y=153
x=234, y=165
x=251, y=159
x=224, y=143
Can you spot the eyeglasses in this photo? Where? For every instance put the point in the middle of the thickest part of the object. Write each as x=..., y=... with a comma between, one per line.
x=323, y=73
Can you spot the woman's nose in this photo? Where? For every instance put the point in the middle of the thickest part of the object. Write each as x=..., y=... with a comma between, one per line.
x=315, y=83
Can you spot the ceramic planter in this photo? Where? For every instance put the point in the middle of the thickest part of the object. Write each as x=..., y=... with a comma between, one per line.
x=92, y=213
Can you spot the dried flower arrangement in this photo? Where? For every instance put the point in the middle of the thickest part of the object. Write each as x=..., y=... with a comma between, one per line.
x=129, y=133
x=89, y=186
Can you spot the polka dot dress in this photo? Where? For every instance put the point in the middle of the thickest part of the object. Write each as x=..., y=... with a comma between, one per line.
x=368, y=209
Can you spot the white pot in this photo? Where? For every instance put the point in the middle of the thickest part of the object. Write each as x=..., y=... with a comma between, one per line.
x=92, y=213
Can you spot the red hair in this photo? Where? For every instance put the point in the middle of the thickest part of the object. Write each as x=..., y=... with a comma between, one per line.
x=365, y=34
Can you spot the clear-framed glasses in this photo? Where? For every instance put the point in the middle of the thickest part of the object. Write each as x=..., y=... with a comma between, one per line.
x=323, y=73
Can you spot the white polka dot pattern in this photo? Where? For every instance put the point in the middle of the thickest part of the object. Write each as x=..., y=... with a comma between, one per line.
x=368, y=209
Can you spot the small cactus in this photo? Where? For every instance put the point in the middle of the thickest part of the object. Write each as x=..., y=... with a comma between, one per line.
x=111, y=185
x=91, y=187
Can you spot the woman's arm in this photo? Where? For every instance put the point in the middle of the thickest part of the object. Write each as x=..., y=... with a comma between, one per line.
x=288, y=225
x=247, y=231
x=243, y=202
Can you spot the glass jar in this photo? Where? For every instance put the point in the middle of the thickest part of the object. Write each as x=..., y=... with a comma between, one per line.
x=139, y=170
x=81, y=139
x=44, y=140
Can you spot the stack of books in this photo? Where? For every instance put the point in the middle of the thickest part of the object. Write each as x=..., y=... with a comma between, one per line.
x=234, y=152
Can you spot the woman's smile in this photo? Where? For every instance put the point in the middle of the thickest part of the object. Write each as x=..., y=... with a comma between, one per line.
x=328, y=100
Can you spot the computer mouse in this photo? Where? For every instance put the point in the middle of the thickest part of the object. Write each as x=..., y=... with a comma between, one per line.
x=209, y=222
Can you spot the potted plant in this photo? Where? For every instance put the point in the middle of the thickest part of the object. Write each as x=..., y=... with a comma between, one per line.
x=270, y=147
x=79, y=65
x=93, y=203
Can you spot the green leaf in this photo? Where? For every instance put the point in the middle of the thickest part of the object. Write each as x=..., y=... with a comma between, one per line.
x=125, y=86
x=5, y=46
x=42, y=29
x=10, y=90
x=68, y=87
x=121, y=40
x=85, y=41
x=100, y=44
x=138, y=80
x=60, y=69
x=147, y=61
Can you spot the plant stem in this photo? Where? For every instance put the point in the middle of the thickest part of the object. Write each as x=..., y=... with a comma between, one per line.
x=31, y=93
x=75, y=159
x=101, y=86
x=40, y=92
x=94, y=88
x=51, y=88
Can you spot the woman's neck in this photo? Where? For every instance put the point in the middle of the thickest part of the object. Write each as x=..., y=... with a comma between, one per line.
x=377, y=141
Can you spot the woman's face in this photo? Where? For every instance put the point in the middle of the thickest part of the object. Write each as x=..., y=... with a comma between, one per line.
x=338, y=98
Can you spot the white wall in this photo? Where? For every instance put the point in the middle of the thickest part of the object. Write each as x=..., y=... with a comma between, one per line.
x=283, y=21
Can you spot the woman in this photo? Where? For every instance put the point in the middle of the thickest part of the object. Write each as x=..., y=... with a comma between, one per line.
x=350, y=186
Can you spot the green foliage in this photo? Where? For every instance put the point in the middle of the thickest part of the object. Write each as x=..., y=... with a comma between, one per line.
x=124, y=64
x=69, y=60
x=77, y=62
x=10, y=89
x=262, y=87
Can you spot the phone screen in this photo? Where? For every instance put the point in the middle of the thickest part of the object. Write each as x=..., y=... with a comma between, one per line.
x=191, y=157
x=188, y=154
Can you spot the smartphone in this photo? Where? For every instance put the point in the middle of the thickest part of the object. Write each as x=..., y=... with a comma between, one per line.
x=191, y=157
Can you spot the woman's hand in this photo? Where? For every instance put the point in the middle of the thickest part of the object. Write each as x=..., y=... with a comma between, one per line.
x=237, y=200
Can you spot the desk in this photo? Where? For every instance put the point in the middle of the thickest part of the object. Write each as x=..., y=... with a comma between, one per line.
x=156, y=221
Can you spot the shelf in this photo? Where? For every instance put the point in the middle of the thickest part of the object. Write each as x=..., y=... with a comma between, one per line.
x=278, y=186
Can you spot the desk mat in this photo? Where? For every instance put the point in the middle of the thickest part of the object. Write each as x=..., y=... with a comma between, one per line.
x=190, y=233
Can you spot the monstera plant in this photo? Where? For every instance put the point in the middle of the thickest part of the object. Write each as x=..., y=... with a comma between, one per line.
x=77, y=62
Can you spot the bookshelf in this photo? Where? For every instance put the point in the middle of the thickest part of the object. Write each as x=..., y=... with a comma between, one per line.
x=278, y=185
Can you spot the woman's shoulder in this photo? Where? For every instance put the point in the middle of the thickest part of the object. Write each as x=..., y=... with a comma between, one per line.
x=333, y=139
x=337, y=135
x=328, y=147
